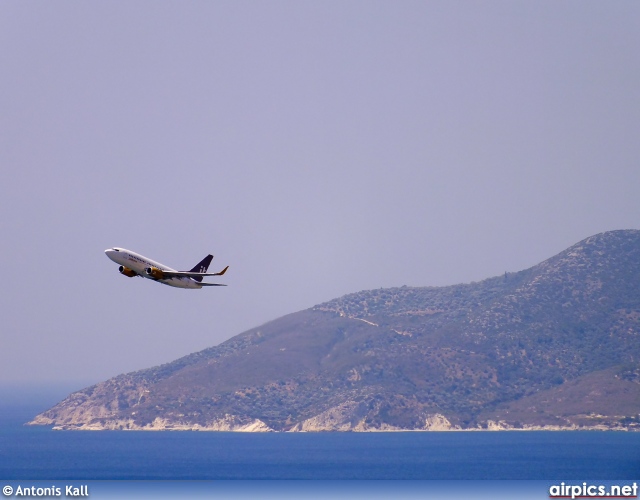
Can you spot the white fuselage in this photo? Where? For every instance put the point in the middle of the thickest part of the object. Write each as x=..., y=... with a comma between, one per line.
x=139, y=263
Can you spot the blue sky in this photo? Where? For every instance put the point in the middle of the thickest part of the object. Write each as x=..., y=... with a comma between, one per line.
x=317, y=148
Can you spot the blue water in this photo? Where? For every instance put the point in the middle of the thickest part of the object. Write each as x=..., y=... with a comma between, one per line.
x=40, y=453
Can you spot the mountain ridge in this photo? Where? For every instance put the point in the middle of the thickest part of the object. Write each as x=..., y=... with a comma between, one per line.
x=482, y=355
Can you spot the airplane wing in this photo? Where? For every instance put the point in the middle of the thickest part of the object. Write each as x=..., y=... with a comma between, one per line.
x=212, y=284
x=189, y=274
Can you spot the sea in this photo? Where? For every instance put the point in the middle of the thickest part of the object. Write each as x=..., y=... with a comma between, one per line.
x=132, y=464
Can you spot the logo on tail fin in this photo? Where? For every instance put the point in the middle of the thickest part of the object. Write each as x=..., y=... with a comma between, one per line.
x=202, y=267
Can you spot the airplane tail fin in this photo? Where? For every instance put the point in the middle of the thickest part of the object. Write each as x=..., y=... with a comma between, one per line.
x=201, y=267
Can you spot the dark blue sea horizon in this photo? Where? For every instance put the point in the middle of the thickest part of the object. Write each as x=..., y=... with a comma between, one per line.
x=39, y=453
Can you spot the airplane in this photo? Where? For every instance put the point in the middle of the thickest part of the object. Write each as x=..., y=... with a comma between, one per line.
x=133, y=264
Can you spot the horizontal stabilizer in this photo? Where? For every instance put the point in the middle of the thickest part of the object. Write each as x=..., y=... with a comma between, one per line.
x=191, y=274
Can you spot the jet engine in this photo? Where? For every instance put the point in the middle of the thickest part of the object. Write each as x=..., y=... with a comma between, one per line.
x=127, y=272
x=154, y=272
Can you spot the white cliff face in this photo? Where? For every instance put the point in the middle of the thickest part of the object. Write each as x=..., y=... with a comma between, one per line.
x=345, y=417
x=438, y=422
x=497, y=426
x=76, y=413
x=229, y=423
x=328, y=421
x=349, y=416
x=338, y=418
x=97, y=403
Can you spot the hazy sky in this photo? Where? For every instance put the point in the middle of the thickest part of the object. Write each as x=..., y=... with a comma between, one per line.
x=318, y=148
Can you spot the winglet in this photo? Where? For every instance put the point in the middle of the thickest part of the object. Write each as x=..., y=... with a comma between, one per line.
x=221, y=272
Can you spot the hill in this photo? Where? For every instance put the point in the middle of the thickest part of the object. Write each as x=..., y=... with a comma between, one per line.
x=553, y=346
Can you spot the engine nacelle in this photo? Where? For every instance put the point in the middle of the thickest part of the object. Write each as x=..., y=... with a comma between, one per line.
x=127, y=272
x=154, y=272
